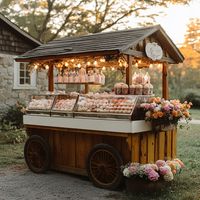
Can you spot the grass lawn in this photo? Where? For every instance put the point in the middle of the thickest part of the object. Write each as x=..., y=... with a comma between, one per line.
x=195, y=113
x=185, y=187
x=10, y=154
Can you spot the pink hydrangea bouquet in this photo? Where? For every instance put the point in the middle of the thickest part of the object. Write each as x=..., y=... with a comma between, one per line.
x=164, y=170
x=166, y=112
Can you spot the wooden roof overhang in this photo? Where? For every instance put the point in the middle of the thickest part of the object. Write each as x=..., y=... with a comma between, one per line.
x=128, y=42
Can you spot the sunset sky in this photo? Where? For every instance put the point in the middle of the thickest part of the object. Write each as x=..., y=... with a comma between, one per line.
x=176, y=19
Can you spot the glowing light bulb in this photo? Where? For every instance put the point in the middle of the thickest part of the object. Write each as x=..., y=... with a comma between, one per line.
x=72, y=60
x=59, y=65
x=120, y=64
x=103, y=68
x=102, y=60
x=113, y=68
x=66, y=64
x=151, y=65
x=139, y=61
x=125, y=64
x=88, y=63
x=46, y=67
x=95, y=63
x=79, y=65
x=35, y=66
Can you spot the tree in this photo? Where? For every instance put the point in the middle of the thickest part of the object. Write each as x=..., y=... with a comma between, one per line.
x=192, y=37
x=184, y=78
x=49, y=19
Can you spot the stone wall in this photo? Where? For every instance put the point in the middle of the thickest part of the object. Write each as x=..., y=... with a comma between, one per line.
x=8, y=95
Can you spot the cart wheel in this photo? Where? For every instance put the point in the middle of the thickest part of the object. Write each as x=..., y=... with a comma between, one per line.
x=103, y=166
x=37, y=154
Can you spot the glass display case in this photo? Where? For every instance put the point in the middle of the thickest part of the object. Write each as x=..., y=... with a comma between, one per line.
x=100, y=105
x=64, y=104
x=40, y=104
x=89, y=105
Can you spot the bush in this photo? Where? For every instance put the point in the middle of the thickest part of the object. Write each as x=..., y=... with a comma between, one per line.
x=13, y=117
x=194, y=98
x=15, y=136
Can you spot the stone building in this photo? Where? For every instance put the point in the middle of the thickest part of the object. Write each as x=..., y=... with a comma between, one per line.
x=16, y=82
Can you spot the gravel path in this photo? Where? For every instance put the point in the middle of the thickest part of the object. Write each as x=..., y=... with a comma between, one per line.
x=21, y=184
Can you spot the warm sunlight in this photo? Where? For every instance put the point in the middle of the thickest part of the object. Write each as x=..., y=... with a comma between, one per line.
x=176, y=19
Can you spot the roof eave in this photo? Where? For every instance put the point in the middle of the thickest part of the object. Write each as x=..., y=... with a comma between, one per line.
x=51, y=57
x=16, y=28
x=180, y=59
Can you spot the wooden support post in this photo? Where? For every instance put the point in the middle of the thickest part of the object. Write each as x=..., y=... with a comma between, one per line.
x=129, y=71
x=86, y=88
x=165, y=89
x=50, y=79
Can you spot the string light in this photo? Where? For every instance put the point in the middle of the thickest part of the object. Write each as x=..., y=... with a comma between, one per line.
x=59, y=65
x=95, y=63
x=113, y=68
x=46, y=67
x=151, y=65
x=102, y=60
x=66, y=64
x=79, y=65
x=35, y=66
x=88, y=63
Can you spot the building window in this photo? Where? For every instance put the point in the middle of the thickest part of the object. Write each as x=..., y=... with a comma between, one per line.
x=23, y=78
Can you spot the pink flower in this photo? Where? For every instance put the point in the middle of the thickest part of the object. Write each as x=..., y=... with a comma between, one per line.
x=165, y=170
x=154, y=166
x=133, y=170
x=180, y=162
x=151, y=173
x=160, y=163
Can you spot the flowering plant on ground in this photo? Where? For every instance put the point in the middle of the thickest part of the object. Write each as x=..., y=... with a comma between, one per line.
x=166, y=111
x=164, y=170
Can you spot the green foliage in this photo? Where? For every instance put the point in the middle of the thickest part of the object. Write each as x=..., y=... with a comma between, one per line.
x=195, y=113
x=13, y=117
x=194, y=98
x=15, y=136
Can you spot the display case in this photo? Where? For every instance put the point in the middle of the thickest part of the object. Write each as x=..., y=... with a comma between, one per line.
x=64, y=105
x=89, y=105
x=40, y=104
x=105, y=105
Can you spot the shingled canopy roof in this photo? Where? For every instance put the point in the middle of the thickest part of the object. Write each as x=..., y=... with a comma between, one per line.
x=107, y=42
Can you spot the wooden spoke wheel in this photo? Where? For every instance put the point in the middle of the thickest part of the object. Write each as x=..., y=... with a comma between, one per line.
x=103, y=166
x=37, y=154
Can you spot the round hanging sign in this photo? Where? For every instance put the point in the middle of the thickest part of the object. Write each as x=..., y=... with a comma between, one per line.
x=153, y=51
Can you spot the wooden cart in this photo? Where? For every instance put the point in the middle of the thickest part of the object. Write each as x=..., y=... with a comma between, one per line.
x=92, y=146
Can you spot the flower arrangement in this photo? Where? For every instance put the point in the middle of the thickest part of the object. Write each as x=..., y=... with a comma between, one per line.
x=166, y=112
x=164, y=170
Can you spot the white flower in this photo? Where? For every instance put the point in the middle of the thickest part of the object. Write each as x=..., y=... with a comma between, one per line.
x=126, y=172
x=168, y=177
x=156, y=109
x=148, y=114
